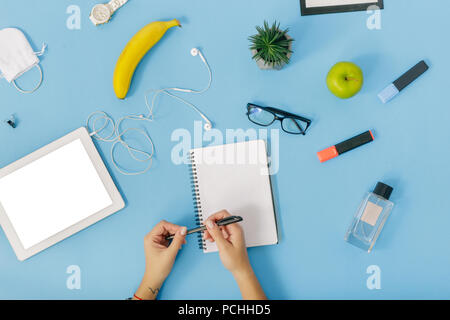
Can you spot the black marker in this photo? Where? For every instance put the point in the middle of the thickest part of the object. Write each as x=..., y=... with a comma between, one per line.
x=401, y=83
x=223, y=222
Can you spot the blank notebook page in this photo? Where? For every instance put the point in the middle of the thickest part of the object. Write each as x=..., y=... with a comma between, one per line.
x=235, y=177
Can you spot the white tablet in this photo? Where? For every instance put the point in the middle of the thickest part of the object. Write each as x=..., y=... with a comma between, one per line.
x=55, y=192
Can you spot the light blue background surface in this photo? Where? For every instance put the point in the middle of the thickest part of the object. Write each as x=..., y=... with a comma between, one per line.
x=315, y=201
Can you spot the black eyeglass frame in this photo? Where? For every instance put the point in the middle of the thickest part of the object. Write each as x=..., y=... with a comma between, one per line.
x=279, y=115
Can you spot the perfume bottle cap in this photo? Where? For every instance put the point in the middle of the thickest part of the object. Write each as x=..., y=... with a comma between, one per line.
x=383, y=190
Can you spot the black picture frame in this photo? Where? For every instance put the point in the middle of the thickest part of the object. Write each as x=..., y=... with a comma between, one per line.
x=336, y=9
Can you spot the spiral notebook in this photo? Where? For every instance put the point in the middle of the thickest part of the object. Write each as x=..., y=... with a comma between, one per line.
x=235, y=177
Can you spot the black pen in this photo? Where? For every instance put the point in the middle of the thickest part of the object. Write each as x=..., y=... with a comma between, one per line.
x=222, y=222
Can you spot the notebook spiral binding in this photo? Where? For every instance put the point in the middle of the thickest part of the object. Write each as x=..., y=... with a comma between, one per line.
x=196, y=198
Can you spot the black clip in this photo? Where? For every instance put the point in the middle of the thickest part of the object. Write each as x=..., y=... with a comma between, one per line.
x=11, y=122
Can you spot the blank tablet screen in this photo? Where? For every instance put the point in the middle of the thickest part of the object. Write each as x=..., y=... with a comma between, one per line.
x=52, y=194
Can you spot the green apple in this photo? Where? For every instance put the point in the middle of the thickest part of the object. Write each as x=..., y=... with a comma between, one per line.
x=345, y=79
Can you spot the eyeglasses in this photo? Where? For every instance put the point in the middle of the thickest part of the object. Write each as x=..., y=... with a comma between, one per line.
x=265, y=116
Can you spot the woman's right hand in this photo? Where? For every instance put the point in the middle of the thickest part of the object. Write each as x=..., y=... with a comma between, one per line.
x=230, y=242
x=233, y=253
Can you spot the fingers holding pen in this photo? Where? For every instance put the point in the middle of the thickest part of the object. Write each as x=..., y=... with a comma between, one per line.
x=225, y=229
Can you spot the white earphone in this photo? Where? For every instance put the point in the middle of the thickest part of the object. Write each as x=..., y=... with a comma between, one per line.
x=116, y=135
x=195, y=52
x=208, y=124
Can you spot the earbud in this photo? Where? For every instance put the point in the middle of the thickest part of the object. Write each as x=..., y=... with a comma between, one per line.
x=196, y=52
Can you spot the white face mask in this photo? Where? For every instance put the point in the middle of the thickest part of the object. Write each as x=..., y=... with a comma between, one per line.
x=17, y=56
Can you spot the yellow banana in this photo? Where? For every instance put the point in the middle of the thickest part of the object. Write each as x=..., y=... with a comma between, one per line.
x=135, y=50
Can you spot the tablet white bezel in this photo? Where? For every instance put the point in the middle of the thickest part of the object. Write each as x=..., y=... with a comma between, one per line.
x=117, y=201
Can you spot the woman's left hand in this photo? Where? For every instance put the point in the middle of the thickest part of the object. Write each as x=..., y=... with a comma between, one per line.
x=160, y=256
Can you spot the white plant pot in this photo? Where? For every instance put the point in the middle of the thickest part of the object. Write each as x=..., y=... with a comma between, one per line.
x=270, y=66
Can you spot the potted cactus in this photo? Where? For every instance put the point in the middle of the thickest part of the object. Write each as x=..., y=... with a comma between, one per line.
x=271, y=47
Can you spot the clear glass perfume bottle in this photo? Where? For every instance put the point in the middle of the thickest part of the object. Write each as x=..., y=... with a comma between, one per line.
x=370, y=218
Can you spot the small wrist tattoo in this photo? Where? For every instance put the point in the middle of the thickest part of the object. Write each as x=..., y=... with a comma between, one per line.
x=154, y=291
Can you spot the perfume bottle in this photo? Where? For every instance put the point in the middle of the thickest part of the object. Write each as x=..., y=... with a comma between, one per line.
x=370, y=218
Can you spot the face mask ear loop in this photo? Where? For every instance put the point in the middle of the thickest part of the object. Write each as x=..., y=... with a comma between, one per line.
x=40, y=53
x=33, y=90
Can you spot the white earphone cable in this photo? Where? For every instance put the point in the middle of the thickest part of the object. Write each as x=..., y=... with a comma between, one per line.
x=35, y=88
x=116, y=137
x=157, y=92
